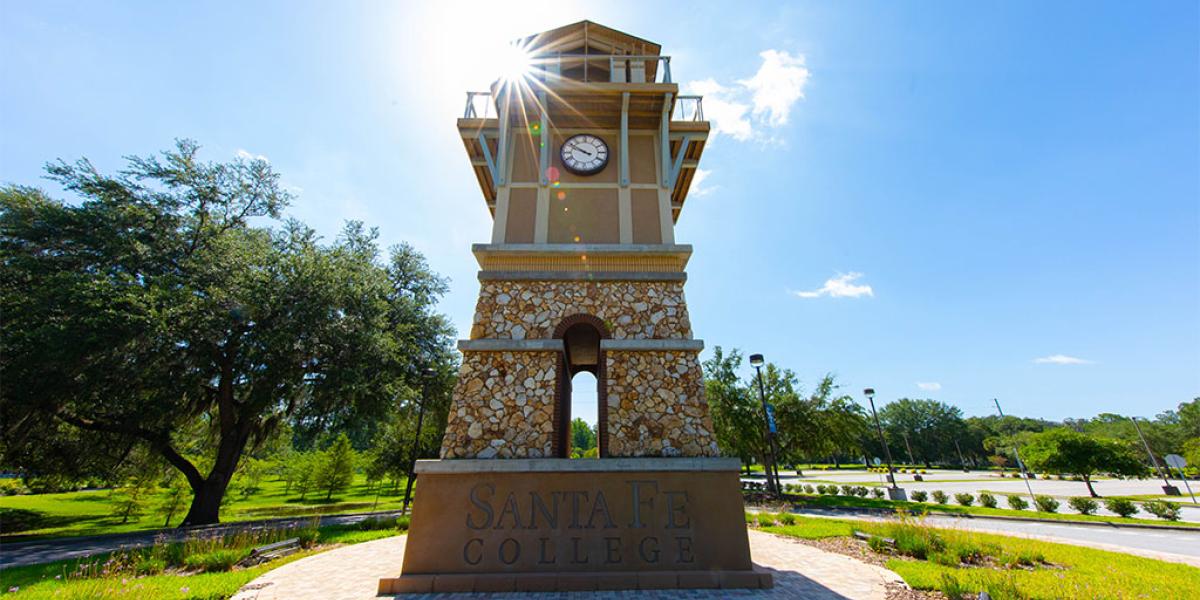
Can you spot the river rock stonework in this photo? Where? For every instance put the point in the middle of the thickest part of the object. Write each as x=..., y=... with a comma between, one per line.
x=503, y=406
x=656, y=405
x=532, y=309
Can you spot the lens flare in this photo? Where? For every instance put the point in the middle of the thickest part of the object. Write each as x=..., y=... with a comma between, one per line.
x=513, y=63
x=562, y=195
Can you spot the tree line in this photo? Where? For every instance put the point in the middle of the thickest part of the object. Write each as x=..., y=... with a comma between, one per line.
x=826, y=425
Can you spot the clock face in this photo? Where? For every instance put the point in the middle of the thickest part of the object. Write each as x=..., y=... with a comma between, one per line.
x=584, y=154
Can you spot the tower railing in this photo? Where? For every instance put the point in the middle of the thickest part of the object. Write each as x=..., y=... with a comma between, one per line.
x=687, y=107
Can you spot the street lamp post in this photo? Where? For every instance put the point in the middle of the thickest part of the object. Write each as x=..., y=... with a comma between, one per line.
x=894, y=492
x=772, y=471
x=412, y=461
x=1168, y=489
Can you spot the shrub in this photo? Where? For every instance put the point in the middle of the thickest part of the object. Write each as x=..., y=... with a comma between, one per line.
x=920, y=496
x=1016, y=502
x=402, y=522
x=964, y=498
x=1121, y=506
x=820, y=488
x=940, y=497
x=766, y=519
x=750, y=520
x=1046, y=503
x=847, y=490
x=1162, y=509
x=987, y=500
x=808, y=488
x=211, y=562
x=1083, y=504
x=308, y=536
x=877, y=492
x=861, y=491
x=149, y=565
x=787, y=519
x=831, y=490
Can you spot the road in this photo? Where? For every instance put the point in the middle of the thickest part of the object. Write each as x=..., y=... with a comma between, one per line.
x=1172, y=545
x=43, y=551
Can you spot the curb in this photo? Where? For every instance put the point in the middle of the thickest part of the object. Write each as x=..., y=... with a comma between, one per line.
x=884, y=512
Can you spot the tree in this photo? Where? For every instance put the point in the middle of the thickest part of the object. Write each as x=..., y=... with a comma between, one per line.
x=131, y=498
x=736, y=415
x=153, y=306
x=335, y=472
x=930, y=426
x=173, y=499
x=1064, y=450
x=583, y=437
x=303, y=472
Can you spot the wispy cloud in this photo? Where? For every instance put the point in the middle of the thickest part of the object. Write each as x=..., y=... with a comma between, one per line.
x=929, y=386
x=698, y=188
x=248, y=155
x=749, y=108
x=842, y=286
x=1061, y=359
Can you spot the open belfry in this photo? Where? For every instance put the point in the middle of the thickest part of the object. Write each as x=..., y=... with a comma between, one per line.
x=584, y=160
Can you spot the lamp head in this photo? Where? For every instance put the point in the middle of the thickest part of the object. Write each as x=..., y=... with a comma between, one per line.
x=869, y=392
x=756, y=360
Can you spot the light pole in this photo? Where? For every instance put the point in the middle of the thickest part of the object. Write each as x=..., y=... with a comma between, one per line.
x=772, y=472
x=1168, y=489
x=1020, y=463
x=412, y=461
x=894, y=492
x=912, y=461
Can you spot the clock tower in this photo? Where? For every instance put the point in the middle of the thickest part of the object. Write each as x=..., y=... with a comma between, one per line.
x=584, y=162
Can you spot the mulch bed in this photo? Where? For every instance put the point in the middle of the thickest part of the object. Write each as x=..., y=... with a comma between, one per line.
x=859, y=551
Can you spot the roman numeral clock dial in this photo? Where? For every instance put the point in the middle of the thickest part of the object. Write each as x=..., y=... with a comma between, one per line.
x=584, y=154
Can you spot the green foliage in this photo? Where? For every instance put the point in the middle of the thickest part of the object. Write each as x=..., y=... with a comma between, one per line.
x=335, y=471
x=173, y=499
x=1017, y=502
x=1046, y=503
x=766, y=519
x=987, y=500
x=877, y=492
x=931, y=427
x=1064, y=450
x=180, y=320
x=964, y=498
x=583, y=437
x=920, y=496
x=1083, y=505
x=212, y=562
x=132, y=497
x=847, y=490
x=786, y=519
x=939, y=496
x=1163, y=509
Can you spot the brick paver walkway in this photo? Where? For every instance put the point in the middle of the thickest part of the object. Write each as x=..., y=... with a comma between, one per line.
x=352, y=573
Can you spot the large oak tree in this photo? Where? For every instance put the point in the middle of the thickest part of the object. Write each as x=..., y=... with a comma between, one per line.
x=159, y=299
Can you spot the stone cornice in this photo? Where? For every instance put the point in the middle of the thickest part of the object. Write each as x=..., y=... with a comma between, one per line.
x=652, y=345
x=594, y=258
x=567, y=465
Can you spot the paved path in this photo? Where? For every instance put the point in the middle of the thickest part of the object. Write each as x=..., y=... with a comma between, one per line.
x=31, y=553
x=1169, y=545
x=351, y=573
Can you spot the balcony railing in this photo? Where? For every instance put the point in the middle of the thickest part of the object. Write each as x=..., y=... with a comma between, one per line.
x=687, y=107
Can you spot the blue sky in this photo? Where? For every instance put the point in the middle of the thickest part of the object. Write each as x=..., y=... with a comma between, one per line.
x=1011, y=181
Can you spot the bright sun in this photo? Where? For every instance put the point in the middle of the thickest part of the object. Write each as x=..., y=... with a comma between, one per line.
x=512, y=63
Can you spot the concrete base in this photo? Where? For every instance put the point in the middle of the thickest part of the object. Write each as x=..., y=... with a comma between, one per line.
x=1171, y=490
x=897, y=494
x=562, y=525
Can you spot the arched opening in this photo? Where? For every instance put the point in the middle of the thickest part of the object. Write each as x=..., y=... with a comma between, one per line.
x=584, y=416
x=582, y=363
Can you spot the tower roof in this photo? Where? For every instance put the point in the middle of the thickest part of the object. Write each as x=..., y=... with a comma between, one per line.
x=587, y=37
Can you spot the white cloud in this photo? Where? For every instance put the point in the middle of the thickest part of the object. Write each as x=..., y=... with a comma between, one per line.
x=698, y=188
x=777, y=85
x=247, y=155
x=750, y=107
x=842, y=286
x=929, y=386
x=1061, y=359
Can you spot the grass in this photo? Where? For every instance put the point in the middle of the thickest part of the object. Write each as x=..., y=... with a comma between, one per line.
x=57, y=579
x=827, y=501
x=90, y=512
x=1015, y=567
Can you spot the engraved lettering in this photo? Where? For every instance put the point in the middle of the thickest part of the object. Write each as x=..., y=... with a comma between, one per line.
x=467, y=551
x=482, y=504
x=651, y=555
x=575, y=558
x=612, y=548
x=601, y=508
x=684, y=545
x=516, y=551
x=638, y=502
x=673, y=508
x=543, y=559
x=537, y=505
x=575, y=508
x=510, y=507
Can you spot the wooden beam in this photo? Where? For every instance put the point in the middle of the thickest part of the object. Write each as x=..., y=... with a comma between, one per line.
x=487, y=157
x=625, y=139
x=502, y=147
x=683, y=147
x=665, y=139
x=544, y=135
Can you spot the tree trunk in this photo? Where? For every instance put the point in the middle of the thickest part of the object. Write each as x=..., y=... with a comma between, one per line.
x=1088, y=480
x=206, y=502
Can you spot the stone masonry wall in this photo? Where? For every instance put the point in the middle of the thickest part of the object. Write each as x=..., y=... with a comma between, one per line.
x=631, y=309
x=656, y=405
x=503, y=406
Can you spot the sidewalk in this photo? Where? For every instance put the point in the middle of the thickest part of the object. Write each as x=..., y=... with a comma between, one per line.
x=351, y=573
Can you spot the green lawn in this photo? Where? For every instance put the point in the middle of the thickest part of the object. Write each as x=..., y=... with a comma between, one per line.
x=40, y=516
x=54, y=580
x=828, y=501
x=1072, y=571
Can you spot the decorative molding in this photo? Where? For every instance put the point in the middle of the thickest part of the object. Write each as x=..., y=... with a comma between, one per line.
x=581, y=276
x=506, y=345
x=652, y=345
x=567, y=465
